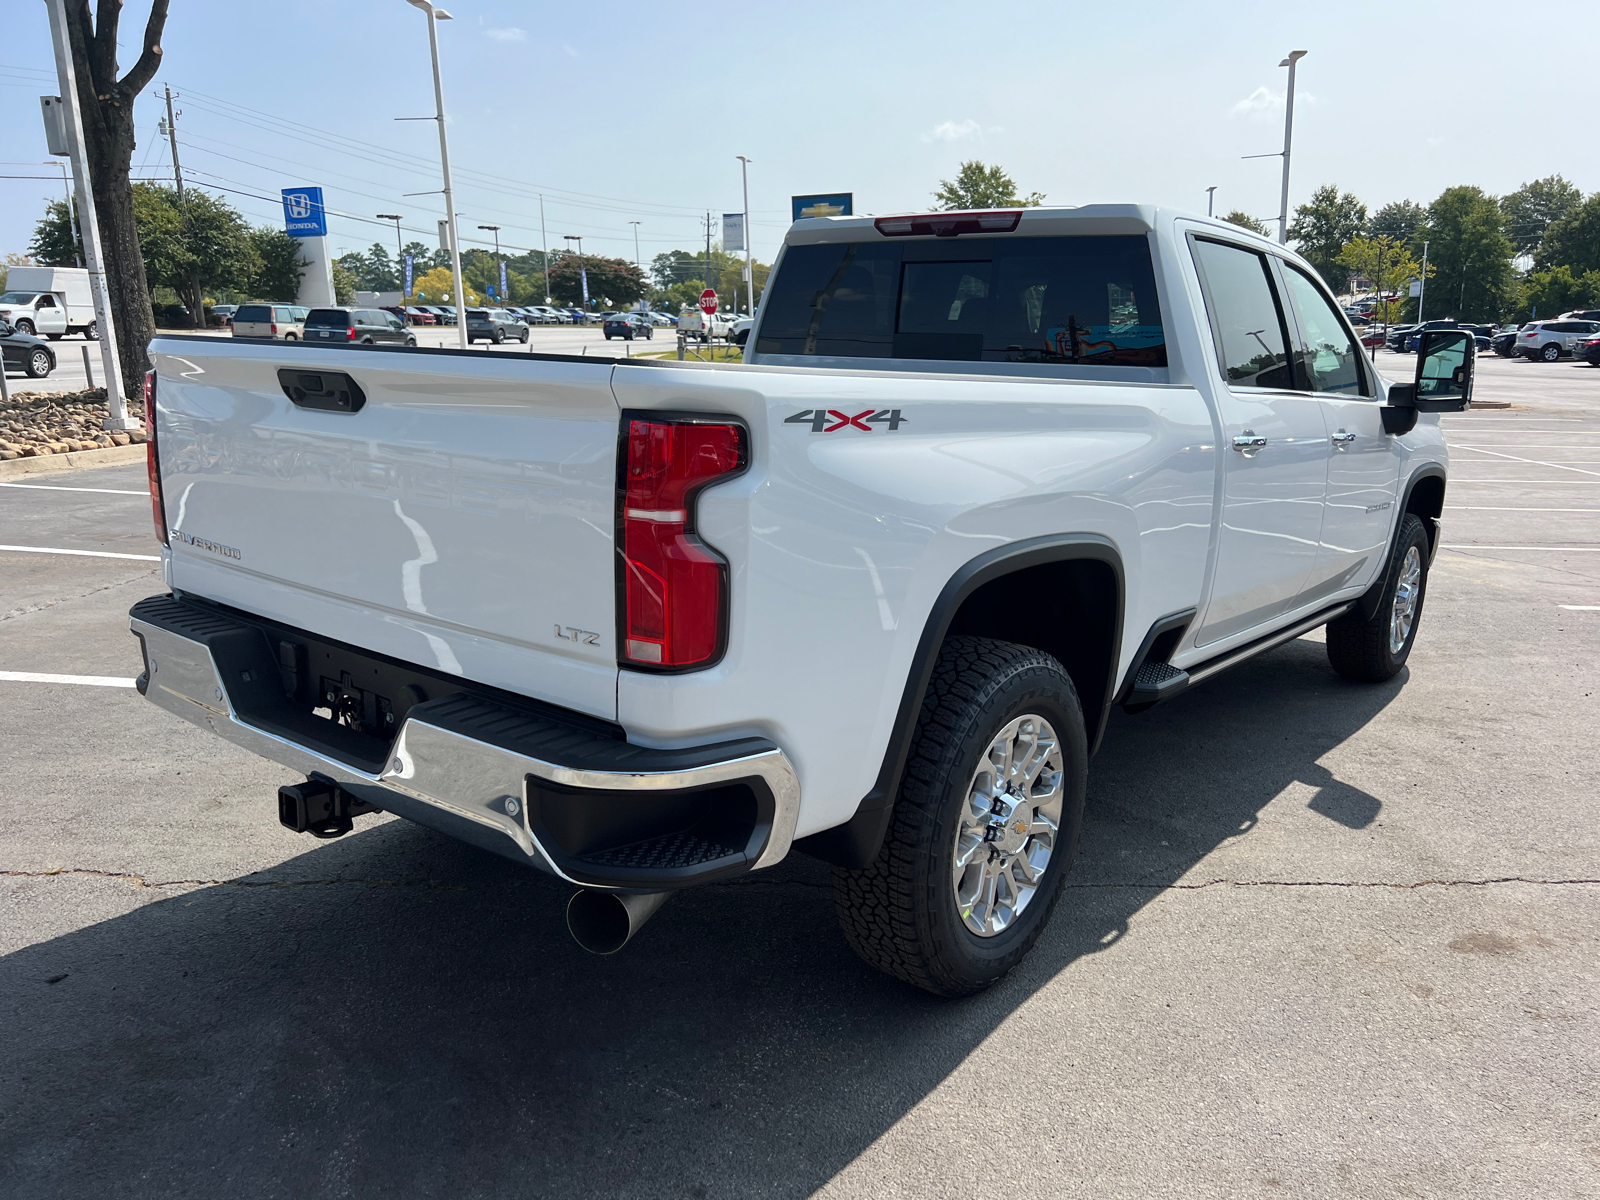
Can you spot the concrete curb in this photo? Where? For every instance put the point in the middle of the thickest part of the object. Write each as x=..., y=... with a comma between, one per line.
x=76, y=460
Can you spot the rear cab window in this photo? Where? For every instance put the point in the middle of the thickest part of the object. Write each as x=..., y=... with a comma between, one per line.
x=1081, y=300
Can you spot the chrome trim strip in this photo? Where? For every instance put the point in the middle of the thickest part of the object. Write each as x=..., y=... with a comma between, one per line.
x=465, y=777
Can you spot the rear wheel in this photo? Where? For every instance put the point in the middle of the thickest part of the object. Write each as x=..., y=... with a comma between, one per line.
x=1551, y=352
x=290, y=337
x=1374, y=650
x=498, y=337
x=984, y=827
x=93, y=331
x=39, y=364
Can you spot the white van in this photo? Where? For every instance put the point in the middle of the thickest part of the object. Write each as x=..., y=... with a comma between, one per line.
x=49, y=301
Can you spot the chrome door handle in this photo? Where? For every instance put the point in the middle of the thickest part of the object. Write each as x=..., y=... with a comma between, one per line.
x=1248, y=442
x=1342, y=440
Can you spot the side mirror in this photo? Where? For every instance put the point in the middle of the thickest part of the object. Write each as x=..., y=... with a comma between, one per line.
x=1446, y=359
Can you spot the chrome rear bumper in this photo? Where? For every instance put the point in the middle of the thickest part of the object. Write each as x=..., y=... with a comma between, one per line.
x=478, y=769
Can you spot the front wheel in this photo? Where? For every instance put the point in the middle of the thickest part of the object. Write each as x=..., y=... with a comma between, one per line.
x=39, y=364
x=983, y=828
x=1551, y=353
x=1374, y=650
x=524, y=338
x=26, y=327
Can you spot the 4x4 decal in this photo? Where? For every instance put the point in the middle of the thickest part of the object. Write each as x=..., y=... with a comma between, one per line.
x=830, y=420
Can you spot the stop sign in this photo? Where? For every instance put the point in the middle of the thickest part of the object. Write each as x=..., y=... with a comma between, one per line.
x=708, y=301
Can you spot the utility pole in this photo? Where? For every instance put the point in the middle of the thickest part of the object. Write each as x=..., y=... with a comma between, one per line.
x=1211, y=195
x=495, y=229
x=544, y=249
x=89, y=227
x=636, y=261
x=1422, y=284
x=1288, y=137
x=708, y=250
x=749, y=268
x=199, y=315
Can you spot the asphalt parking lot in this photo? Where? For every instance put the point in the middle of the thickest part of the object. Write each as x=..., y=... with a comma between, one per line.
x=1322, y=939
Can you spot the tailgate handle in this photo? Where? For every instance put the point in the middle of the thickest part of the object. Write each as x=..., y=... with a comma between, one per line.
x=330, y=391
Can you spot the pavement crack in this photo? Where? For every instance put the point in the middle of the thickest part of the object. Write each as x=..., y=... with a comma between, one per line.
x=105, y=587
x=1337, y=883
x=140, y=881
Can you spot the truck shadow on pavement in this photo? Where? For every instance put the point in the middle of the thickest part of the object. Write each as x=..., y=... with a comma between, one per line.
x=396, y=1014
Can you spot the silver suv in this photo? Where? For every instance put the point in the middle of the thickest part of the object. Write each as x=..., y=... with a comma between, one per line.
x=1552, y=340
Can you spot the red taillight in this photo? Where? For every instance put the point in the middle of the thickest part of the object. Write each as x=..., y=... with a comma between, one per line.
x=948, y=224
x=158, y=509
x=351, y=333
x=274, y=329
x=674, y=590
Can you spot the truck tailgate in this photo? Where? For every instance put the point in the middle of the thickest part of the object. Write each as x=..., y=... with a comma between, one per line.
x=460, y=519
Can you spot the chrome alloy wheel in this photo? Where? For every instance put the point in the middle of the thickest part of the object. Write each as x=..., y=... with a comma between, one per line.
x=1009, y=825
x=1405, y=600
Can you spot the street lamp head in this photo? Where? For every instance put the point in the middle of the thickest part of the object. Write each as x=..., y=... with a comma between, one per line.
x=1294, y=55
x=387, y=216
x=426, y=6
x=491, y=228
x=743, y=159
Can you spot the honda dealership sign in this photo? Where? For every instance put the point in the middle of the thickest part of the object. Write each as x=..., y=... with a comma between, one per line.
x=303, y=214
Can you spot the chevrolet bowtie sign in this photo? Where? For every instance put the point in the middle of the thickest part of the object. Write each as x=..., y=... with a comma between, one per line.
x=303, y=214
x=836, y=204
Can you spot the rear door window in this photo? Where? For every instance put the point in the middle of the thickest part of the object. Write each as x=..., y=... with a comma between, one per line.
x=1060, y=300
x=1247, y=324
x=283, y=315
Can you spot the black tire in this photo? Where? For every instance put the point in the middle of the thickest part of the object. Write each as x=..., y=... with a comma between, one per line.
x=628, y=336
x=1551, y=352
x=92, y=331
x=290, y=337
x=25, y=326
x=524, y=338
x=411, y=341
x=39, y=364
x=498, y=337
x=608, y=337
x=1361, y=650
x=900, y=913
x=649, y=335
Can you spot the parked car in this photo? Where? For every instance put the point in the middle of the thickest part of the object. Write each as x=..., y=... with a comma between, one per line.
x=494, y=325
x=627, y=325
x=1480, y=335
x=1587, y=314
x=418, y=315
x=1587, y=349
x=697, y=326
x=224, y=312
x=552, y=316
x=661, y=320
x=1395, y=339
x=1504, y=342
x=441, y=314
x=357, y=326
x=275, y=322
x=1413, y=334
x=862, y=602
x=25, y=352
x=1552, y=340
x=740, y=333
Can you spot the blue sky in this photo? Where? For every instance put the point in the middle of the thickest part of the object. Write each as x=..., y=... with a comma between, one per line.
x=635, y=112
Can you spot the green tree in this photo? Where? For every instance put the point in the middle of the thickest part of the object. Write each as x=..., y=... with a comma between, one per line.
x=1530, y=210
x=610, y=279
x=1398, y=221
x=1574, y=240
x=1387, y=265
x=979, y=186
x=54, y=244
x=1245, y=221
x=211, y=243
x=344, y=284
x=1558, y=290
x=1471, y=257
x=280, y=265
x=1323, y=227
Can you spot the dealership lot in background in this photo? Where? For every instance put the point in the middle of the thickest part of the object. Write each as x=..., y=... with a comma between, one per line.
x=1322, y=938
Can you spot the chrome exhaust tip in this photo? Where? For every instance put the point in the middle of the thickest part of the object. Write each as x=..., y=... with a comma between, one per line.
x=604, y=922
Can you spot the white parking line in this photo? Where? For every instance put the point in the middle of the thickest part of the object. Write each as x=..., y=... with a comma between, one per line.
x=1511, y=508
x=1531, y=461
x=1582, y=607
x=50, y=487
x=1556, y=549
x=85, y=553
x=1526, y=482
x=86, y=680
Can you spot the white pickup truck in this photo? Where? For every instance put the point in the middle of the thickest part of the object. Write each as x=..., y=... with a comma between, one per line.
x=49, y=302
x=870, y=595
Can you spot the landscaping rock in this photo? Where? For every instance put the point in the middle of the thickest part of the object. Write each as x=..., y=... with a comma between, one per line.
x=39, y=423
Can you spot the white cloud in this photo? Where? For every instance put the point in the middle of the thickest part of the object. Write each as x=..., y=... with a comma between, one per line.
x=1267, y=106
x=953, y=131
x=568, y=51
x=511, y=34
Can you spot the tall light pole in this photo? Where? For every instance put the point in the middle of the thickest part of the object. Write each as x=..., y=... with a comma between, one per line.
x=636, y=261
x=399, y=252
x=1288, y=138
x=749, y=271
x=1211, y=195
x=495, y=229
x=544, y=249
x=578, y=237
x=435, y=15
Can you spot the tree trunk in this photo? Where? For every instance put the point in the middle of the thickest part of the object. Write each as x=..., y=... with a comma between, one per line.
x=108, y=134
